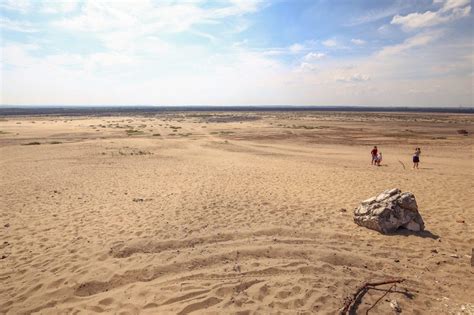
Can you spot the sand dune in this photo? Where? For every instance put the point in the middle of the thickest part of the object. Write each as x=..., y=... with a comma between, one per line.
x=232, y=213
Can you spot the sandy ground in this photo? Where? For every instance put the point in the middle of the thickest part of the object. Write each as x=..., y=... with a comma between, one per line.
x=230, y=213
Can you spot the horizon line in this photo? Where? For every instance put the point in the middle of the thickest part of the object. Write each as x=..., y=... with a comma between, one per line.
x=234, y=105
x=101, y=110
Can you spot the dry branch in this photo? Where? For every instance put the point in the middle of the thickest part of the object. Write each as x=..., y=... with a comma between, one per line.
x=402, y=164
x=386, y=292
x=366, y=286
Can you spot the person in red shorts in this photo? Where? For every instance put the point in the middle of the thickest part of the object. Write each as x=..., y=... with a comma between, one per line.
x=374, y=155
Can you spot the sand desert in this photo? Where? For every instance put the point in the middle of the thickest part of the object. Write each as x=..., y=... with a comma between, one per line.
x=230, y=213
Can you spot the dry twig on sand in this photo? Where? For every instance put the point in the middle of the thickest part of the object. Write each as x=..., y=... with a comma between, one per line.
x=364, y=288
x=378, y=300
x=402, y=164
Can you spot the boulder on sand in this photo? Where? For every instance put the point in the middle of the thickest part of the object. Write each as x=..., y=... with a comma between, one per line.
x=389, y=211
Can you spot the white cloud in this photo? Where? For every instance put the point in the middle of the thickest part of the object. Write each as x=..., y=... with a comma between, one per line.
x=375, y=15
x=101, y=61
x=238, y=8
x=238, y=77
x=330, y=43
x=308, y=67
x=17, y=26
x=99, y=16
x=308, y=63
x=358, y=41
x=274, y=52
x=416, y=20
x=313, y=56
x=453, y=4
x=21, y=6
x=43, y=6
x=16, y=54
x=218, y=81
x=132, y=43
x=451, y=10
x=59, y=7
x=296, y=48
x=134, y=26
x=20, y=55
x=135, y=64
x=150, y=17
x=240, y=26
x=460, y=13
x=356, y=77
x=421, y=39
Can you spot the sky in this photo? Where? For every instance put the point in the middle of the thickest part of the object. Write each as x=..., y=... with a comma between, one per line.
x=237, y=52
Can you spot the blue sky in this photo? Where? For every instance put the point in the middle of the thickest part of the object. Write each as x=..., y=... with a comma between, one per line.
x=237, y=52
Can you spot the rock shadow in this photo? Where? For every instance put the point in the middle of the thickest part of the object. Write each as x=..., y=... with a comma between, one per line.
x=423, y=234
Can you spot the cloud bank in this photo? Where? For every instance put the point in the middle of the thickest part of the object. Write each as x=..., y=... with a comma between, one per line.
x=232, y=52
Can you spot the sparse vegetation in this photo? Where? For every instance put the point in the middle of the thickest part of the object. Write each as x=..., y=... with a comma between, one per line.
x=133, y=132
x=222, y=132
x=32, y=143
x=303, y=127
x=133, y=151
x=156, y=135
x=55, y=142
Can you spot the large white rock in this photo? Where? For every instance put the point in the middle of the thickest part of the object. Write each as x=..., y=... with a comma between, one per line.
x=389, y=211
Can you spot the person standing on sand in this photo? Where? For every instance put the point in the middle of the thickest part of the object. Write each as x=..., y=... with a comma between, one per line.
x=374, y=155
x=416, y=157
x=378, y=159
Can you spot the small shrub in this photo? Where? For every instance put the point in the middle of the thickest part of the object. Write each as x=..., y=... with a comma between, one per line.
x=304, y=127
x=133, y=132
x=32, y=143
